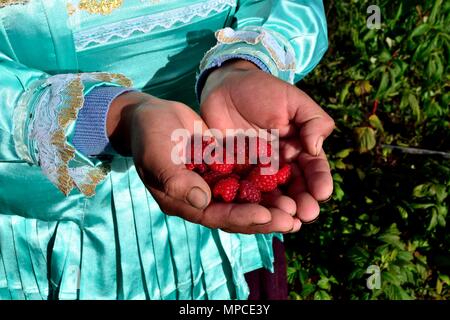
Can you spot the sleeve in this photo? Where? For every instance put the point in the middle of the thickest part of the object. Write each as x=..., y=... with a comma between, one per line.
x=286, y=38
x=90, y=136
x=38, y=115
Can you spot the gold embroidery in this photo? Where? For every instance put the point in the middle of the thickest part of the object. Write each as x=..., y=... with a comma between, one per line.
x=103, y=7
x=74, y=94
x=94, y=177
x=68, y=114
x=222, y=37
x=114, y=77
x=71, y=9
x=5, y=3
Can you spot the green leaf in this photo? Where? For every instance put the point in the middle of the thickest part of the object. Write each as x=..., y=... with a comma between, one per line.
x=358, y=255
x=308, y=289
x=435, y=11
x=340, y=165
x=366, y=139
x=441, y=192
x=405, y=256
x=422, y=190
x=337, y=178
x=391, y=239
x=385, y=56
x=444, y=278
x=344, y=153
x=396, y=292
x=403, y=212
x=321, y=295
x=291, y=274
x=362, y=88
x=414, y=104
x=376, y=123
x=433, y=221
x=420, y=30
x=390, y=278
x=303, y=276
x=338, y=193
x=422, y=205
x=438, y=286
x=441, y=220
x=294, y=296
x=344, y=92
x=383, y=85
x=323, y=283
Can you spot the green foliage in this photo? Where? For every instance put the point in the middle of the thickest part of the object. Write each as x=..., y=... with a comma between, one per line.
x=389, y=209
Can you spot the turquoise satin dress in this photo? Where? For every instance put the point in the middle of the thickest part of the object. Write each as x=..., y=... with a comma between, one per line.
x=73, y=227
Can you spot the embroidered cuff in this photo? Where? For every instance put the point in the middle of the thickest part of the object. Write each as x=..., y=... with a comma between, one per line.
x=90, y=137
x=217, y=62
x=47, y=115
x=269, y=48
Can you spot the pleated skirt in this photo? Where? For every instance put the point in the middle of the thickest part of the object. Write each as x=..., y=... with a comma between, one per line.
x=121, y=246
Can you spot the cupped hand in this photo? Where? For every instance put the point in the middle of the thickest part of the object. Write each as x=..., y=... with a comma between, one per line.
x=239, y=95
x=141, y=126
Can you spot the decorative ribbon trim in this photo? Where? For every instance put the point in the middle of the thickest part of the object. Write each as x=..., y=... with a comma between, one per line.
x=145, y=24
x=54, y=113
x=277, y=48
x=6, y=3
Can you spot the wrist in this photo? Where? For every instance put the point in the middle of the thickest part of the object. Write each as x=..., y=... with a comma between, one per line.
x=119, y=120
x=218, y=75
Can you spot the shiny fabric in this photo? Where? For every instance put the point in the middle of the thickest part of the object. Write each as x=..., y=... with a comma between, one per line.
x=118, y=244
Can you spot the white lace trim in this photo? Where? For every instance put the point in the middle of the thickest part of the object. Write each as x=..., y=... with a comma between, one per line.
x=145, y=24
x=45, y=124
x=279, y=50
x=55, y=111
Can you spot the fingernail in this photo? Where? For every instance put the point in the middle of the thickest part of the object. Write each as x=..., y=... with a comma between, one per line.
x=326, y=200
x=197, y=198
x=297, y=226
x=311, y=221
x=319, y=145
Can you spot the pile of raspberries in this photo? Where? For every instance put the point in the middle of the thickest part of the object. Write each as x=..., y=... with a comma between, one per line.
x=240, y=177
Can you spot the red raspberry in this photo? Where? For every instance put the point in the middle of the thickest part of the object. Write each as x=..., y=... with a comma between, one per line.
x=264, y=182
x=211, y=177
x=283, y=174
x=221, y=167
x=200, y=168
x=242, y=168
x=248, y=192
x=226, y=189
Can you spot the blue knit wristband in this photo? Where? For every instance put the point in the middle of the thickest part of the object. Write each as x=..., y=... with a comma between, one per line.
x=90, y=137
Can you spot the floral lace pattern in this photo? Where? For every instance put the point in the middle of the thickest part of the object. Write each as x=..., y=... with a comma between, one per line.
x=278, y=49
x=5, y=3
x=145, y=24
x=54, y=112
